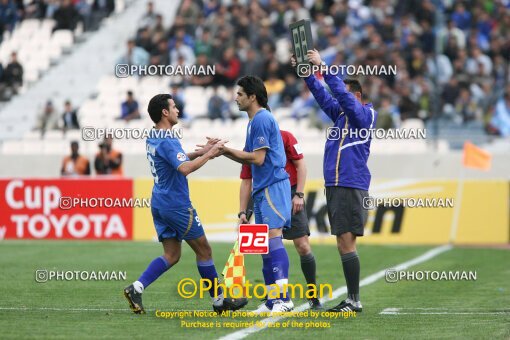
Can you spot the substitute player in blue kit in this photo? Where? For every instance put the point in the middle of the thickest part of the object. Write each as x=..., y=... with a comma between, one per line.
x=173, y=214
x=271, y=192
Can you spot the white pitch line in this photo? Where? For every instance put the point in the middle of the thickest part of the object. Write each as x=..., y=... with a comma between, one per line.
x=240, y=334
x=58, y=309
x=65, y=309
x=397, y=311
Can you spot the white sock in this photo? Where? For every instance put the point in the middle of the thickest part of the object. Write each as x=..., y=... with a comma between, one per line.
x=218, y=301
x=138, y=287
x=281, y=283
x=269, y=289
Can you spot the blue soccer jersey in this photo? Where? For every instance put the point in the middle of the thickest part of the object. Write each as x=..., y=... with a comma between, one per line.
x=263, y=132
x=170, y=191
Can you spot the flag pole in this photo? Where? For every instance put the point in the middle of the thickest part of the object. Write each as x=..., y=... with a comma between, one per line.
x=457, y=207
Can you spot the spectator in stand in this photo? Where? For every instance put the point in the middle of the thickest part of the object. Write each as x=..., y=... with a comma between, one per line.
x=129, y=108
x=203, y=45
x=69, y=117
x=407, y=107
x=134, y=55
x=387, y=117
x=466, y=107
x=449, y=96
x=304, y=105
x=51, y=8
x=66, y=16
x=182, y=50
x=274, y=87
x=48, y=118
x=13, y=74
x=417, y=63
x=461, y=17
x=178, y=97
x=427, y=38
x=444, y=67
x=144, y=40
x=189, y=12
x=290, y=91
x=84, y=10
x=36, y=9
x=160, y=55
x=108, y=161
x=202, y=79
x=253, y=63
x=8, y=17
x=500, y=122
x=75, y=164
x=149, y=19
x=454, y=33
x=228, y=68
x=216, y=106
x=106, y=7
x=100, y=10
x=479, y=64
x=158, y=27
x=180, y=34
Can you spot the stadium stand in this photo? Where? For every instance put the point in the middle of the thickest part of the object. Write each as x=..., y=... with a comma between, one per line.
x=472, y=43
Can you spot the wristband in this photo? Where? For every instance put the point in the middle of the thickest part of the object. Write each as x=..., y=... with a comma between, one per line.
x=299, y=194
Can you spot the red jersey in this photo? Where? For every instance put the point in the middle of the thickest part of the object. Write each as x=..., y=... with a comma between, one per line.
x=292, y=152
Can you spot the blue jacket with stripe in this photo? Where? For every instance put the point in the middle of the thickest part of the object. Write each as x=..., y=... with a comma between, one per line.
x=345, y=154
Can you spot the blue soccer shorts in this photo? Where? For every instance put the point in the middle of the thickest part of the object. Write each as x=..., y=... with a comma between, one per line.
x=273, y=206
x=181, y=224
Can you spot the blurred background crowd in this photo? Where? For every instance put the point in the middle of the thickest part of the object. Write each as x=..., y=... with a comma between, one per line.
x=452, y=57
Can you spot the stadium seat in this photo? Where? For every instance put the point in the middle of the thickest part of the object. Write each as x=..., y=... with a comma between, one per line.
x=48, y=24
x=63, y=39
x=33, y=146
x=30, y=74
x=54, y=147
x=32, y=135
x=412, y=123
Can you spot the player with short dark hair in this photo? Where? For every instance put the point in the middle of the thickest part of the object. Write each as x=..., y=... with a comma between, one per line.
x=346, y=174
x=174, y=217
x=296, y=168
x=265, y=153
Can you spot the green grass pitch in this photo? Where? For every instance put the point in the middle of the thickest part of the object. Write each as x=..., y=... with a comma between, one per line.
x=97, y=309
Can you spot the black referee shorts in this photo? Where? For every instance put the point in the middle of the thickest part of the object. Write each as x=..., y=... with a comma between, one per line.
x=299, y=223
x=345, y=210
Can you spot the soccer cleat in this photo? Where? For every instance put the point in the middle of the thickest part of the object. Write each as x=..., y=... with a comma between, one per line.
x=347, y=306
x=280, y=306
x=315, y=304
x=231, y=304
x=263, y=308
x=134, y=299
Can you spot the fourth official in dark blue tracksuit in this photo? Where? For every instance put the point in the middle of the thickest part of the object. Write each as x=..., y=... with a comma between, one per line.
x=346, y=173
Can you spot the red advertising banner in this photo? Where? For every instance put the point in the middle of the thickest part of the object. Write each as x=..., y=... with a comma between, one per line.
x=90, y=209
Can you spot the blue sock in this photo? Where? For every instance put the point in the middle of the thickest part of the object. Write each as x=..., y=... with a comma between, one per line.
x=157, y=267
x=267, y=272
x=280, y=263
x=208, y=271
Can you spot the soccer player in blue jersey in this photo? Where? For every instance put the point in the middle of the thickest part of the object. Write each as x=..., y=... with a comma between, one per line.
x=346, y=174
x=174, y=217
x=271, y=192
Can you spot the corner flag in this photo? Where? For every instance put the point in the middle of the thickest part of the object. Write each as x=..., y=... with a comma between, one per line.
x=476, y=158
